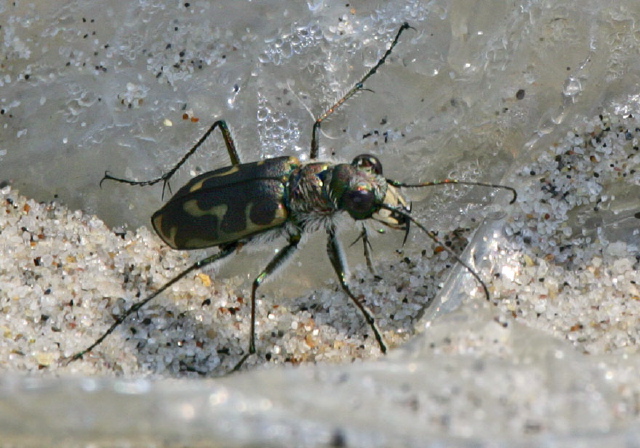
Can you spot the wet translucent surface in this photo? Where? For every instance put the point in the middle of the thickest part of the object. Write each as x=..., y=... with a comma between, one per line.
x=541, y=96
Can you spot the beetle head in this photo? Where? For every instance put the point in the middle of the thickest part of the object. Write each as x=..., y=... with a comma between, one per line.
x=360, y=189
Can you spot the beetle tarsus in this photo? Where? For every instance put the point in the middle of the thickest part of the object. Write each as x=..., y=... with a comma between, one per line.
x=240, y=363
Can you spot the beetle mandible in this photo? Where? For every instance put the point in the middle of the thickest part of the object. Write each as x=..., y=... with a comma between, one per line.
x=283, y=198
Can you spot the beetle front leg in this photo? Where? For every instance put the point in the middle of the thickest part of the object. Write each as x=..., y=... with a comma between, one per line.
x=276, y=262
x=336, y=255
x=364, y=236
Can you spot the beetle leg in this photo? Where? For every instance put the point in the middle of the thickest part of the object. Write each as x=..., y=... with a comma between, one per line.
x=336, y=255
x=276, y=262
x=228, y=141
x=364, y=236
x=224, y=252
x=355, y=89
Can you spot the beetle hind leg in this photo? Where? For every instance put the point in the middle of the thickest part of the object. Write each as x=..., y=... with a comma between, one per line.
x=228, y=141
x=225, y=251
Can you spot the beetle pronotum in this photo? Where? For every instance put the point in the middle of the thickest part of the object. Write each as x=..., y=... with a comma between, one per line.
x=284, y=198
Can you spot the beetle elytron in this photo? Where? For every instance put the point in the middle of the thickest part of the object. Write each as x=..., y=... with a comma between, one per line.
x=281, y=197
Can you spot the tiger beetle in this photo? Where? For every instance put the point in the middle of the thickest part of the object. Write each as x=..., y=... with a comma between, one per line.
x=282, y=197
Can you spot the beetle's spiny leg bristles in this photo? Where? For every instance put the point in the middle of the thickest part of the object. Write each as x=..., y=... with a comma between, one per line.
x=228, y=141
x=355, y=89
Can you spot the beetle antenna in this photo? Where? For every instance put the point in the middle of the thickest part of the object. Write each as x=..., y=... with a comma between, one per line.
x=434, y=238
x=395, y=183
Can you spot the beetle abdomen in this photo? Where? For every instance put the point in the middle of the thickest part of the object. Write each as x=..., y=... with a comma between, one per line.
x=226, y=205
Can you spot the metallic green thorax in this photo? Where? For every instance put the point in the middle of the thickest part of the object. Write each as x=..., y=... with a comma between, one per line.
x=321, y=189
x=235, y=203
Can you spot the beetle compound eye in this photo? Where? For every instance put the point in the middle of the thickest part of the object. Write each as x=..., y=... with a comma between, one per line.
x=367, y=162
x=359, y=203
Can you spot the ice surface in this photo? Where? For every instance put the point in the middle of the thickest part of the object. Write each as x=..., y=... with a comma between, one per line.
x=538, y=95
